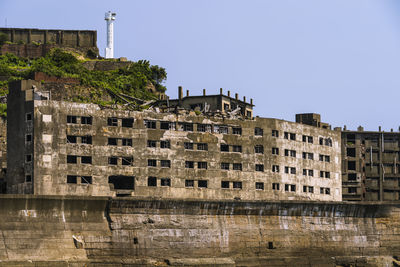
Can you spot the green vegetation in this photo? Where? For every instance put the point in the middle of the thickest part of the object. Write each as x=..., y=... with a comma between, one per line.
x=133, y=80
x=3, y=38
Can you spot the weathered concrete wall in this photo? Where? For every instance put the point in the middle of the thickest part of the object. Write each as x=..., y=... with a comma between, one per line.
x=138, y=232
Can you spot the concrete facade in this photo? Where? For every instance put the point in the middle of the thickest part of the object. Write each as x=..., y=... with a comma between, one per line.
x=65, y=148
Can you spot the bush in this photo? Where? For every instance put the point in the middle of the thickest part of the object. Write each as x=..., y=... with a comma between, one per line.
x=3, y=38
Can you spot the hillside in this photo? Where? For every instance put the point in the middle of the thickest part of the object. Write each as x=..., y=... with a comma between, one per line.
x=139, y=80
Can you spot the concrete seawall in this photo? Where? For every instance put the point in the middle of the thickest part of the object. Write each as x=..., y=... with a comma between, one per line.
x=73, y=231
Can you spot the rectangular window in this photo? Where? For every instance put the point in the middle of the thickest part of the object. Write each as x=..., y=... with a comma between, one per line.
x=224, y=148
x=311, y=173
x=86, y=139
x=327, y=158
x=237, y=166
x=224, y=184
x=275, y=168
x=71, y=119
x=165, y=182
x=112, y=121
x=258, y=131
x=259, y=167
x=202, y=146
x=304, y=138
x=127, y=161
x=286, y=135
x=292, y=136
x=237, y=185
x=259, y=186
x=28, y=178
x=293, y=153
x=165, y=125
x=292, y=170
x=259, y=149
x=152, y=163
x=224, y=166
x=310, y=140
x=286, y=152
x=189, y=183
x=321, y=174
x=71, y=179
x=166, y=163
x=165, y=144
x=352, y=190
x=304, y=172
x=86, y=120
x=311, y=156
x=86, y=160
x=150, y=124
x=304, y=189
x=127, y=122
x=223, y=129
x=28, y=116
x=275, y=186
x=236, y=148
x=112, y=160
x=28, y=138
x=293, y=188
x=151, y=143
x=287, y=169
x=202, y=165
x=275, y=133
x=275, y=151
x=321, y=141
x=327, y=175
x=112, y=141
x=304, y=155
x=152, y=181
x=237, y=130
x=311, y=189
x=287, y=188
x=189, y=164
x=204, y=128
x=188, y=127
x=72, y=159
x=202, y=183
x=126, y=142
x=86, y=179
x=188, y=145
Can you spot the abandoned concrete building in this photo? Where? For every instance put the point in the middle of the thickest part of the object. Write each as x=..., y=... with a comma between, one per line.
x=66, y=148
x=370, y=167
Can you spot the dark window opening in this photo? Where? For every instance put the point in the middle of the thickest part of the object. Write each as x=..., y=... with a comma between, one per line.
x=275, y=186
x=237, y=185
x=112, y=141
x=86, y=160
x=352, y=190
x=28, y=138
x=224, y=148
x=236, y=130
x=72, y=179
x=237, y=166
x=270, y=245
x=189, y=183
x=275, y=168
x=126, y=142
x=223, y=129
x=151, y=143
x=113, y=161
x=86, y=179
x=275, y=133
x=259, y=167
x=165, y=144
x=259, y=149
x=86, y=139
x=189, y=164
x=258, y=131
x=152, y=163
x=259, y=186
x=165, y=182
x=122, y=182
x=202, y=146
x=275, y=151
x=127, y=122
x=202, y=165
x=152, y=181
x=202, y=183
x=72, y=159
x=188, y=127
x=28, y=116
x=224, y=184
x=28, y=178
x=166, y=163
x=71, y=119
x=150, y=124
x=352, y=176
x=224, y=166
x=86, y=120
x=351, y=165
x=188, y=145
x=127, y=161
x=351, y=152
x=135, y=240
x=237, y=149
x=165, y=125
x=112, y=121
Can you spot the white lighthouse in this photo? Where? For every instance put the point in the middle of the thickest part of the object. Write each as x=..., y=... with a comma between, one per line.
x=110, y=17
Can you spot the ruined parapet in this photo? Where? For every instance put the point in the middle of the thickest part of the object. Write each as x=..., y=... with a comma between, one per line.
x=312, y=119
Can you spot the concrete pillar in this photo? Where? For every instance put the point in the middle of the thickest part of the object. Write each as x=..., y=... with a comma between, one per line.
x=229, y=93
x=220, y=91
x=187, y=92
x=244, y=99
x=204, y=92
x=251, y=101
x=180, y=95
x=236, y=96
x=12, y=36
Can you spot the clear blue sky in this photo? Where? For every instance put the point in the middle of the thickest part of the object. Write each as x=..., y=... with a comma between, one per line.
x=339, y=58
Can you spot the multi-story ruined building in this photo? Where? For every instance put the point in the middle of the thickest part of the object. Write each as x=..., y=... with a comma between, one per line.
x=65, y=148
x=370, y=165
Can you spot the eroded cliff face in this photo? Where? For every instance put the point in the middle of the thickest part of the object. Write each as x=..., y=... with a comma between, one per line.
x=75, y=231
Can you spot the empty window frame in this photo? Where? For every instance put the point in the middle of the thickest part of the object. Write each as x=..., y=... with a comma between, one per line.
x=112, y=121
x=307, y=172
x=259, y=186
x=72, y=179
x=86, y=179
x=150, y=124
x=290, y=187
x=28, y=138
x=127, y=161
x=324, y=174
x=204, y=128
x=165, y=182
x=275, y=168
x=259, y=149
x=72, y=159
x=352, y=177
x=291, y=153
x=126, y=142
x=325, y=190
x=225, y=184
x=72, y=119
x=351, y=165
x=122, y=182
x=259, y=167
x=167, y=125
x=165, y=163
x=189, y=183
x=112, y=141
x=87, y=139
x=202, y=165
x=28, y=116
x=127, y=122
x=275, y=186
x=165, y=144
x=152, y=181
x=189, y=164
x=112, y=160
x=237, y=166
x=236, y=148
x=275, y=151
x=28, y=178
x=237, y=130
x=188, y=145
x=275, y=133
x=258, y=131
x=352, y=190
x=224, y=148
x=237, y=185
x=152, y=163
x=289, y=136
x=291, y=170
x=308, y=139
x=224, y=166
x=86, y=159
x=202, y=146
x=308, y=189
x=151, y=143
x=223, y=129
x=308, y=155
x=187, y=127
x=202, y=183
x=86, y=120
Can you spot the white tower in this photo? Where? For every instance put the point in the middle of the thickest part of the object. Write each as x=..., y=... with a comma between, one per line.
x=110, y=17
